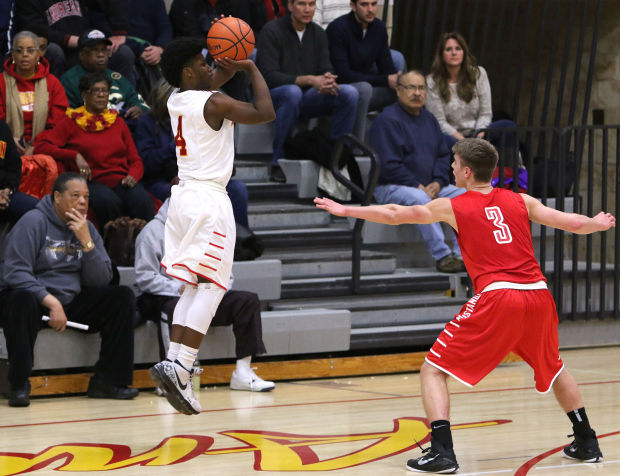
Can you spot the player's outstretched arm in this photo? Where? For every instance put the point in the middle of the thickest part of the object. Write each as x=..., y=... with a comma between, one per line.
x=391, y=214
x=572, y=222
x=220, y=106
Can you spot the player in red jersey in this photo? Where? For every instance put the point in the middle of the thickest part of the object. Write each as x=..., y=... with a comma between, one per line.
x=512, y=309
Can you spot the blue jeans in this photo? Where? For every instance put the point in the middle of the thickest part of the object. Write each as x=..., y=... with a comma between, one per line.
x=432, y=234
x=292, y=102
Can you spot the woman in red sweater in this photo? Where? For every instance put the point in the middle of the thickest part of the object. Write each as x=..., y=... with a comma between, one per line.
x=95, y=142
x=31, y=98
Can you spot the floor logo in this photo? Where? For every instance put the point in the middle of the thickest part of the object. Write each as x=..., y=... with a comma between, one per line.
x=273, y=451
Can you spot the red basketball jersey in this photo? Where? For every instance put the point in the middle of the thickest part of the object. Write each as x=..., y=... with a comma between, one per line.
x=495, y=238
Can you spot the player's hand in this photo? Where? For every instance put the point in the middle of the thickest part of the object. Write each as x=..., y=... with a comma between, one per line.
x=330, y=206
x=230, y=65
x=605, y=221
x=129, y=181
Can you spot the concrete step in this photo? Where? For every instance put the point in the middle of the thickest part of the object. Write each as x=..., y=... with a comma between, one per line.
x=409, y=280
x=252, y=170
x=269, y=216
x=293, y=238
x=312, y=263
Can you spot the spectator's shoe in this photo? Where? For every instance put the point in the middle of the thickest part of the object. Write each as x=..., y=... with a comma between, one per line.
x=251, y=383
x=99, y=389
x=165, y=374
x=450, y=264
x=584, y=449
x=20, y=397
x=436, y=459
x=277, y=175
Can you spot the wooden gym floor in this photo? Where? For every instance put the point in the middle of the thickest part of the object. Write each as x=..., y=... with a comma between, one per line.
x=349, y=426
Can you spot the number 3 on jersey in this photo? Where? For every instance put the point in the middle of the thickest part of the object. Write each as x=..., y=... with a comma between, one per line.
x=502, y=234
x=179, y=140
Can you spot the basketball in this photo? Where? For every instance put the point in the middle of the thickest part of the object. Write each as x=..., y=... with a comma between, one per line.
x=230, y=37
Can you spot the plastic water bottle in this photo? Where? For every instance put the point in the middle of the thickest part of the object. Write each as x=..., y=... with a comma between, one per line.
x=197, y=370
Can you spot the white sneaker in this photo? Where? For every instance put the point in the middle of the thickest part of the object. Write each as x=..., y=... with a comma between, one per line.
x=251, y=383
x=181, y=396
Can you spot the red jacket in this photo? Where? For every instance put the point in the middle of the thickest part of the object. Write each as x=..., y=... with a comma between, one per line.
x=57, y=98
x=110, y=153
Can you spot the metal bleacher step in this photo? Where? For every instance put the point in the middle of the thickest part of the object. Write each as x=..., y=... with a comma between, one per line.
x=402, y=280
x=305, y=263
x=264, y=216
x=267, y=191
x=292, y=238
x=252, y=170
x=393, y=320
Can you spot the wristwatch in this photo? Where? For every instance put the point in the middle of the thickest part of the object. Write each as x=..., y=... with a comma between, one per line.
x=89, y=246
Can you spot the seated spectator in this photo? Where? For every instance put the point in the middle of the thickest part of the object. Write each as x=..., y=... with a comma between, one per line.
x=64, y=22
x=415, y=163
x=7, y=14
x=156, y=145
x=150, y=31
x=96, y=142
x=160, y=294
x=31, y=98
x=55, y=265
x=294, y=59
x=93, y=56
x=13, y=203
x=359, y=51
x=459, y=94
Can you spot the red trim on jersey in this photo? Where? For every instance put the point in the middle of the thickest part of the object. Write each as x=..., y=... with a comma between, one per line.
x=219, y=234
x=208, y=267
x=193, y=272
x=214, y=257
x=217, y=246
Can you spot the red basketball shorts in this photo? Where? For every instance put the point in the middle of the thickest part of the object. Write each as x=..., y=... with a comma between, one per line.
x=494, y=323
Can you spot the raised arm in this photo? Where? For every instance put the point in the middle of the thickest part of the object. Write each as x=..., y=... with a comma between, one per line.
x=392, y=214
x=220, y=106
x=572, y=222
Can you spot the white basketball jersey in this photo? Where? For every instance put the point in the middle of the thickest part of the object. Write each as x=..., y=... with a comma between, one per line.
x=202, y=153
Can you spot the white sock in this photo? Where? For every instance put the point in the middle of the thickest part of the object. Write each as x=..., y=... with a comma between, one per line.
x=186, y=357
x=173, y=351
x=243, y=366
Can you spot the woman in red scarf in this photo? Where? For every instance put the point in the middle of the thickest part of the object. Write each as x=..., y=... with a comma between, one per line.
x=95, y=142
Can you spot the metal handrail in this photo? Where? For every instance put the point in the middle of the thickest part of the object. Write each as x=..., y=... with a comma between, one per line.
x=364, y=194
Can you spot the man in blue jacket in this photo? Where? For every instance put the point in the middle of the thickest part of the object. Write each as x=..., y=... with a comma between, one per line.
x=55, y=265
x=359, y=51
x=415, y=163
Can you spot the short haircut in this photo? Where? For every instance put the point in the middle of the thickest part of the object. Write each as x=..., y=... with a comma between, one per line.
x=479, y=155
x=60, y=184
x=177, y=56
x=89, y=79
x=25, y=34
x=411, y=71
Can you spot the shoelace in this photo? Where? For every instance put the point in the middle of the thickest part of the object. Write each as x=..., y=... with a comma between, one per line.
x=424, y=450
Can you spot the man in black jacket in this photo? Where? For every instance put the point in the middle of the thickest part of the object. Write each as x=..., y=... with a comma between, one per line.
x=294, y=59
x=63, y=21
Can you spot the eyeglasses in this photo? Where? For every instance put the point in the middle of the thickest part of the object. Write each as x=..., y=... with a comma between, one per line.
x=412, y=87
x=22, y=51
x=98, y=91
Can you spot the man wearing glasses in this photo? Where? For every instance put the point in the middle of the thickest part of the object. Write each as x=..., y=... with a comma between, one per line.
x=415, y=163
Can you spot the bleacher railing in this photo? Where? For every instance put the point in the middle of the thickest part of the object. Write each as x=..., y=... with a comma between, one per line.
x=574, y=169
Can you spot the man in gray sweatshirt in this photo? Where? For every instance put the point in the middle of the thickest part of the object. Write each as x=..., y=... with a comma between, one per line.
x=55, y=264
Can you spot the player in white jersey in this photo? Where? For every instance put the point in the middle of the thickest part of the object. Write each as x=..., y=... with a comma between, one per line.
x=200, y=229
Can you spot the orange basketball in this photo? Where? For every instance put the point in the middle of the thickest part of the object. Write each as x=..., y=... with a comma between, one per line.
x=230, y=37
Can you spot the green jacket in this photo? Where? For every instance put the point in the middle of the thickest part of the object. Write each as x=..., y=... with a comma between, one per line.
x=122, y=93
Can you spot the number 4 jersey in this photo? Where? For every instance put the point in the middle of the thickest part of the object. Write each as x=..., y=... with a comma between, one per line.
x=495, y=238
x=203, y=154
